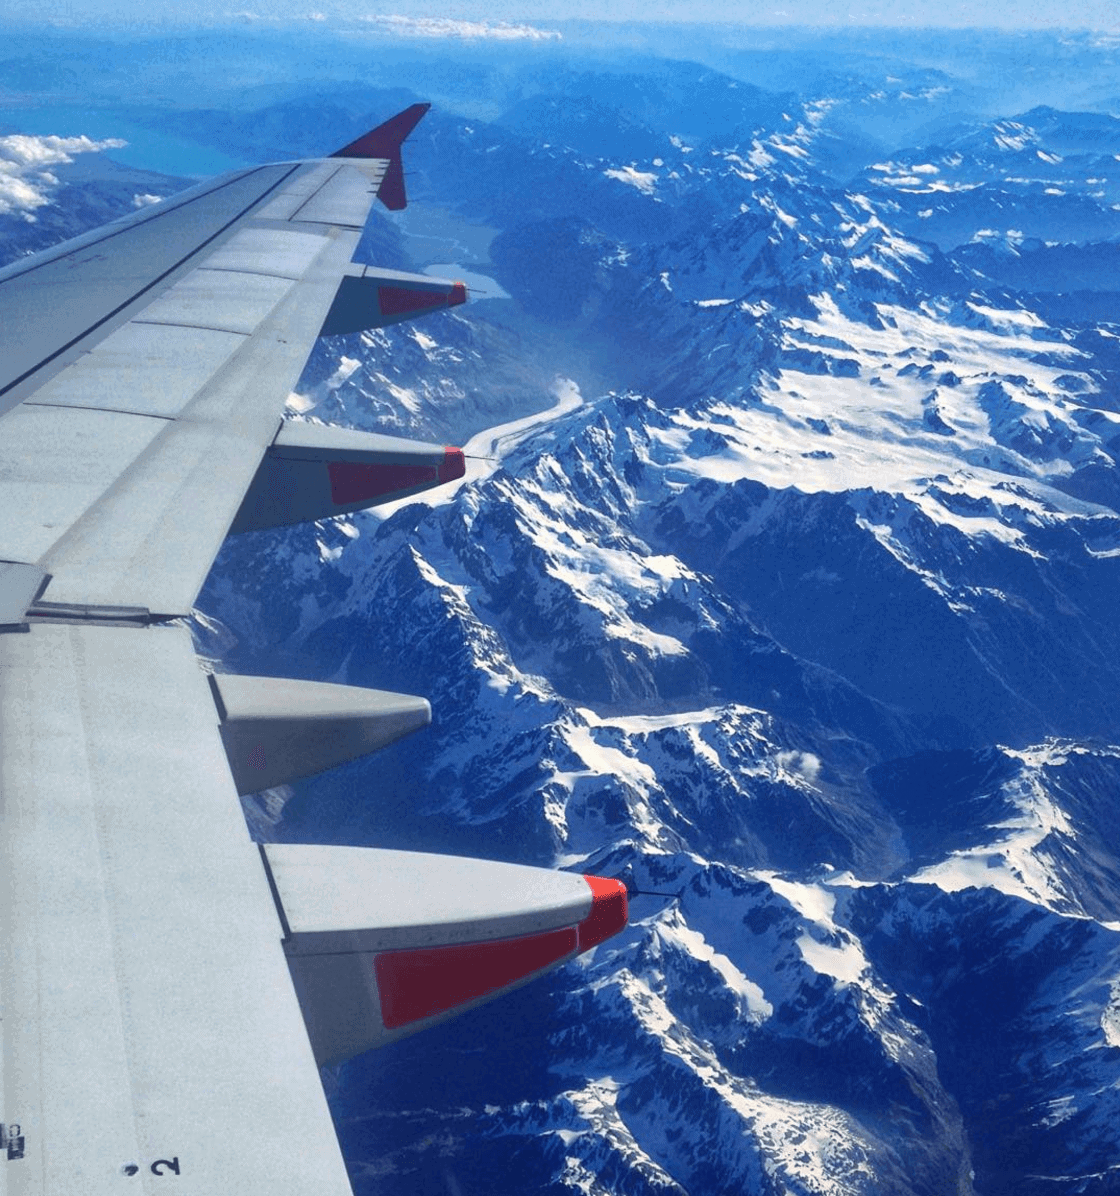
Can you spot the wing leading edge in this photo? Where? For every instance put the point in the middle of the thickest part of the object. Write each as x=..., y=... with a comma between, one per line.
x=146, y=368
x=167, y=988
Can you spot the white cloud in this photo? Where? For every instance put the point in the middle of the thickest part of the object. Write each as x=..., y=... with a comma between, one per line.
x=645, y=181
x=145, y=200
x=49, y=151
x=804, y=764
x=25, y=181
x=446, y=27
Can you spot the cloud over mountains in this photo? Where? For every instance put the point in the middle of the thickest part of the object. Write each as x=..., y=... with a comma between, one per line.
x=26, y=181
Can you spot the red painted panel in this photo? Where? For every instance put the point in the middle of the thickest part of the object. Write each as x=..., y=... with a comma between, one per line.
x=609, y=911
x=454, y=465
x=357, y=481
x=417, y=984
x=385, y=140
x=399, y=301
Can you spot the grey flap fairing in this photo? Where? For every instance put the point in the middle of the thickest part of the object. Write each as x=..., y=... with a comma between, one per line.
x=276, y=730
x=313, y=471
x=384, y=943
x=20, y=585
x=380, y=297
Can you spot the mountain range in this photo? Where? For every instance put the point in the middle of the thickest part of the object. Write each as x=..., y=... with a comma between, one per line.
x=783, y=584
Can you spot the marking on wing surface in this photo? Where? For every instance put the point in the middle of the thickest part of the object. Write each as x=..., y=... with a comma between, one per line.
x=12, y=1140
x=159, y=1167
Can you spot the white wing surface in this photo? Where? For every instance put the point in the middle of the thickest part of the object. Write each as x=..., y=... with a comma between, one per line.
x=146, y=368
x=152, y=1037
x=148, y=1013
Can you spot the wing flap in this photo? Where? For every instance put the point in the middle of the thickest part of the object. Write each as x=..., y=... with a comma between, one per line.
x=224, y=300
x=146, y=369
x=276, y=730
x=55, y=464
x=279, y=252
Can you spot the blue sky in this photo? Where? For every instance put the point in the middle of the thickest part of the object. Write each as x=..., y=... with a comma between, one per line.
x=1007, y=14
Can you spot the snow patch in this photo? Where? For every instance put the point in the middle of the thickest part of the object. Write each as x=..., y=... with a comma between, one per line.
x=753, y=1005
x=844, y=963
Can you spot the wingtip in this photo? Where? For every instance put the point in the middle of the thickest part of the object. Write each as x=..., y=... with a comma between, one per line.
x=609, y=912
x=385, y=141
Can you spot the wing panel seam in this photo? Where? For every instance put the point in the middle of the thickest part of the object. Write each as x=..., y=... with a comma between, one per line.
x=199, y=327
x=143, y=290
x=274, y=891
x=87, y=407
x=332, y=224
x=330, y=178
x=250, y=270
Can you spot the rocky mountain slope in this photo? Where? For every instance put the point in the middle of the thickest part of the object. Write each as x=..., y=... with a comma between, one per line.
x=809, y=626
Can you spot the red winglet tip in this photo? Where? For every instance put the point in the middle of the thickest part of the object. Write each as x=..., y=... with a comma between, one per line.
x=609, y=912
x=454, y=465
x=385, y=141
x=457, y=295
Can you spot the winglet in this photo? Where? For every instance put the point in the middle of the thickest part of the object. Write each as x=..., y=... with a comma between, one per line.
x=385, y=142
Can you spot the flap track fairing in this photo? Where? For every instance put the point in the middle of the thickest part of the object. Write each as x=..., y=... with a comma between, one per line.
x=20, y=585
x=383, y=943
x=377, y=298
x=277, y=730
x=313, y=471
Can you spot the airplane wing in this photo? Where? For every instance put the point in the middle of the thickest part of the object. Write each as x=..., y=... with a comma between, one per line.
x=167, y=988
